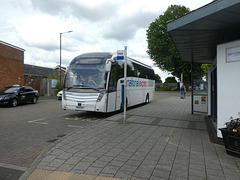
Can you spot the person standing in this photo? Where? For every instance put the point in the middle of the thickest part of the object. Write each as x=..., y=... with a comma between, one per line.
x=183, y=91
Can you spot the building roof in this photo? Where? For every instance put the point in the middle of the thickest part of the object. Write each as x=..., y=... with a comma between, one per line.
x=197, y=34
x=12, y=46
x=38, y=71
x=62, y=68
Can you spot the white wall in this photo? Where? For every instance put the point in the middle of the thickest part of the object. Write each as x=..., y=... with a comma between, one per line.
x=228, y=85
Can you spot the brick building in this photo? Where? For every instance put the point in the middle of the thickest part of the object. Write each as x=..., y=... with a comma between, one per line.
x=37, y=76
x=11, y=65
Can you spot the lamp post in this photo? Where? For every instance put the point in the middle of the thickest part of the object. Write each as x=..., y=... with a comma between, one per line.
x=61, y=53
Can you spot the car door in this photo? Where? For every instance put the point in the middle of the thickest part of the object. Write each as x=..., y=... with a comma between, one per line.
x=22, y=96
x=29, y=93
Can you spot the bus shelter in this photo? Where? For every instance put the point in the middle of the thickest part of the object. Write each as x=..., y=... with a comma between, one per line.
x=211, y=35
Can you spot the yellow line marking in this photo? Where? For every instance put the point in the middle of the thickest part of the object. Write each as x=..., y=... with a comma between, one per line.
x=83, y=119
x=75, y=118
x=37, y=121
x=74, y=126
x=63, y=114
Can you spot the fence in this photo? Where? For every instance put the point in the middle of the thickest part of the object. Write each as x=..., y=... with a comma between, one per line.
x=47, y=87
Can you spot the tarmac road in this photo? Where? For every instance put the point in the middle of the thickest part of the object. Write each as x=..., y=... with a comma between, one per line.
x=26, y=130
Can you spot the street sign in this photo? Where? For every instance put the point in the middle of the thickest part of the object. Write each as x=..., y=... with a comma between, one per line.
x=120, y=55
x=125, y=84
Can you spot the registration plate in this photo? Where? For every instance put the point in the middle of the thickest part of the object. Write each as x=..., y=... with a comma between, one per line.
x=79, y=107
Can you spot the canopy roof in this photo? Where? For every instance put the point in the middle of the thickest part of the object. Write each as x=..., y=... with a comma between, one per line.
x=197, y=34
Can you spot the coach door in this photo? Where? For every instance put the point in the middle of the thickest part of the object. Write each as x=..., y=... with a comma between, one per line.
x=112, y=88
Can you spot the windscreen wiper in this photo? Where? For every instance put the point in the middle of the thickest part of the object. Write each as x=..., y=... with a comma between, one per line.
x=69, y=88
x=72, y=87
x=82, y=86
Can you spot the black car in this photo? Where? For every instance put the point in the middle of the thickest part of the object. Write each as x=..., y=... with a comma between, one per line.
x=15, y=95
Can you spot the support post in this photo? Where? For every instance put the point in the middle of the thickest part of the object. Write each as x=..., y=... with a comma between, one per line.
x=192, y=83
x=125, y=84
x=60, y=65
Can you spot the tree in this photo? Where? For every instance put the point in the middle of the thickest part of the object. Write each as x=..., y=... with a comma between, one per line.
x=161, y=48
x=205, y=67
x=170, y=80
x=158, y=78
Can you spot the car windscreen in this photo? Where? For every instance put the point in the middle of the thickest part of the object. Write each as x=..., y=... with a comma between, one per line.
x=10, y=90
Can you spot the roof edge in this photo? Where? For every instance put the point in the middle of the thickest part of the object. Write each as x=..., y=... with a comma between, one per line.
x=199, y=13
x=12, y=46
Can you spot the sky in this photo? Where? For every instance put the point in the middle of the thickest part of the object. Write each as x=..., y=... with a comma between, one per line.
x=96, y=25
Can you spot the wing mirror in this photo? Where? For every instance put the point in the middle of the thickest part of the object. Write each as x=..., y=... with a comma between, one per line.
x=108, y=65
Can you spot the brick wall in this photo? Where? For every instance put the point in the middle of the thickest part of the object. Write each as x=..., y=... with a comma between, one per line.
x=11, y=65
x=33, y=82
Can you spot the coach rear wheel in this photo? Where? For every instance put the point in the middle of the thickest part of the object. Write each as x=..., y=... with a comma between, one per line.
x=147, y=99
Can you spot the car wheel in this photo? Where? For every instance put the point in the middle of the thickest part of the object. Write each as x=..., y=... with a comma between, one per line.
x=34, y=100
x=14, y=102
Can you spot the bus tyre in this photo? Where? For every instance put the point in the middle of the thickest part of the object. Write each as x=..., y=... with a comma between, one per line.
x=147, y=99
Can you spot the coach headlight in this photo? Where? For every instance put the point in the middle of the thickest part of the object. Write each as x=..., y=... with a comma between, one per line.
x=100, y=96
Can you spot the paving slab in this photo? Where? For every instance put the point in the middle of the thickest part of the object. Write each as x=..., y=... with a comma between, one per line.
x=160, y=140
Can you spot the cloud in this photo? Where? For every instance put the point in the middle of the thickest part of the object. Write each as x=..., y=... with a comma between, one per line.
x=115, y=20
x=52, y=7
x=126, y=27
x=97, y=25
x=79, y=9
x=39, y=31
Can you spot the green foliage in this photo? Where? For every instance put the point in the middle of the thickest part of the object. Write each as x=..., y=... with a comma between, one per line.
x=170, y=80
x=158, y=78
x=54, y=75
x=205, y=67
x=59, y=87
x=161, y=48
x=175, y=89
